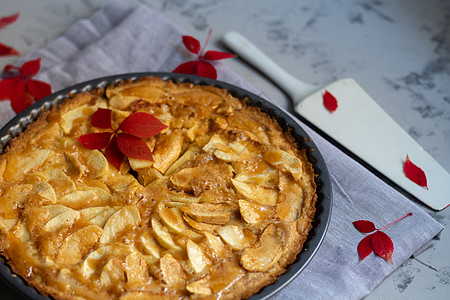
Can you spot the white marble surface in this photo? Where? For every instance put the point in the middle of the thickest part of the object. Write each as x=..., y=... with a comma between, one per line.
x=398, y=50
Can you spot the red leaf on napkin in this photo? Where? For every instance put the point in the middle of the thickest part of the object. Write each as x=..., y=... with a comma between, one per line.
x=191, y=44
x=18, y=86
x=200, y=66
x=206, y=69
x=6, y=50
x=378, y=242
x=217, y=55
x=329, y=101
x=365, y=246
x=414, y=173
x=189, y=68
x=383, y=245
x=364, y=226
x=128, y=142
x=8, y=20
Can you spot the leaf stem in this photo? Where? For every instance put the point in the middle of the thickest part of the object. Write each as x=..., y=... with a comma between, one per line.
x=410, y=214
x=205, y=44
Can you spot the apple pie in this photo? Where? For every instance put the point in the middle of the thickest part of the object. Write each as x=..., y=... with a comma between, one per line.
x=222, y=209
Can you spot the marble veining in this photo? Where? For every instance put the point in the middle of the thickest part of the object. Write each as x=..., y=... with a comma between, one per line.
x=376, y=7
x=405, y=277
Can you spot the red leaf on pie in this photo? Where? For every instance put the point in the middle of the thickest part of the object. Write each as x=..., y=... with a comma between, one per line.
x=414, y=173
x=96, y=140
x=102, y=118
x=133, y=147
x=329, y=101
x=8, y=20
x=126, y=139
x=142, y=124
x=113, y=154
x=39, y=89
x=6, y=50
x=206, y=69
x=383, y=245
x=30, y=68
x=217, y=55
x=365, y=246
x=189, y=68
x=191, y=44
x=364, y=226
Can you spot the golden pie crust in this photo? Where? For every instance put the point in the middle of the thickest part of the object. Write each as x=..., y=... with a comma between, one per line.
x=222, y=211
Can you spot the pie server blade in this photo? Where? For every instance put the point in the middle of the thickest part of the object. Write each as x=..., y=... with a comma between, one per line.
x=359, y=124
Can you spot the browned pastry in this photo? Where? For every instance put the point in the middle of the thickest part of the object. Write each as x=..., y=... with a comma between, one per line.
x=221, y=212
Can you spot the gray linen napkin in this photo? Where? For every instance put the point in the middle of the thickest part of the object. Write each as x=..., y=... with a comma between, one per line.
x=120, y=39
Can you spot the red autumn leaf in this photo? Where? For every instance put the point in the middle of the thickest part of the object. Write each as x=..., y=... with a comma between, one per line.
x=18, y=86
x=191, y=44
x=8, y=86
x=39, y=88
x=20, y=97
x=6, y=50
x=8, y=20
x=365, y=246
x=414, y=173
x=189, y=68
x=113, y=154
x=133, y=147
x=200, y=66
x=96, y=140
x=206, y=69
x=383, y=245
x=31, y=67
x=217, y=55
x=364, y=226
x=127, y=143
x=102, y=118
x=378, y=241
x=329, y=101
x=142, y=124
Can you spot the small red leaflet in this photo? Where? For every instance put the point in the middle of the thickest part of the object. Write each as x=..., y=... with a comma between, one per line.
x=6, y=50
x=8, y=20
x=200, y=66
x=377, y=241
x=383, y=245
x=18, y=86
x=329, y=101
x=365, y=246
x=127, y=142
x=364, y=226
x=142, y=125
x=414, y=173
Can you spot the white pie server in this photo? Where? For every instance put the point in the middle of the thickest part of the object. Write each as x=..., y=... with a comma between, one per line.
x=358, y=124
